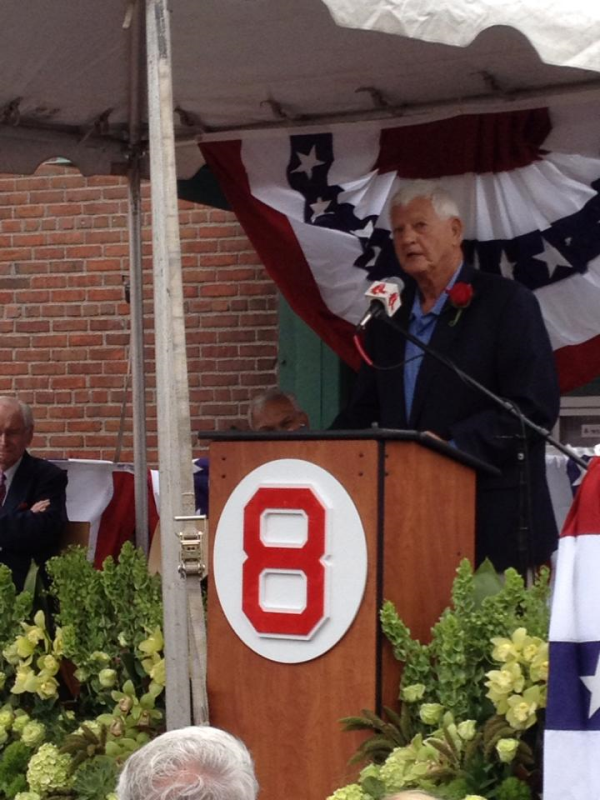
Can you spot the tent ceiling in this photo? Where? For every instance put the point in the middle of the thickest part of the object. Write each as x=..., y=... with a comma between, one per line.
x=69, y=78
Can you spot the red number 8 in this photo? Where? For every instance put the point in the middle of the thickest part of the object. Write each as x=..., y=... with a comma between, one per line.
x=306, y=559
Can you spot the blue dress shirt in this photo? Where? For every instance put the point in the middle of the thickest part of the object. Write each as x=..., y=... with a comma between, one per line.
x=422, y=326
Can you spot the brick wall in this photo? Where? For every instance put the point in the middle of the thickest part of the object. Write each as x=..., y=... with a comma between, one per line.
x=64, y=319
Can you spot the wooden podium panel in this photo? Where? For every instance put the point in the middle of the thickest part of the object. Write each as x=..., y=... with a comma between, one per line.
x=429, y=524
x=288, y=714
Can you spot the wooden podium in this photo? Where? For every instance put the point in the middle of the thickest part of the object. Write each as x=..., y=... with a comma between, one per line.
x=415, y=498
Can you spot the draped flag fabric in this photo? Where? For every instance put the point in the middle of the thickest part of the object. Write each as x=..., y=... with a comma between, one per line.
x=101, y=493
x=572, y=738
x=315, y=205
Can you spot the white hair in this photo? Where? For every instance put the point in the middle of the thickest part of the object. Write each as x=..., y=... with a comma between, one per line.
x=442, y=201
x=25, y=410
x=192, y=763
x=411, y=794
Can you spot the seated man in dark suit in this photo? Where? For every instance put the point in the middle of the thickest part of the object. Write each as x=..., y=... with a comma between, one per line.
x=32, y=495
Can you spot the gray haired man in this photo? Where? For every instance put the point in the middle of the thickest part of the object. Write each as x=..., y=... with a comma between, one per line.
x=193, y=763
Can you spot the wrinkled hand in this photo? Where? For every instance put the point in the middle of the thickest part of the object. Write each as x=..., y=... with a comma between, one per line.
x=40, y=506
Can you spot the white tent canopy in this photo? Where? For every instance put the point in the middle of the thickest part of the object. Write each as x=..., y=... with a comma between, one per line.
x=563, y=32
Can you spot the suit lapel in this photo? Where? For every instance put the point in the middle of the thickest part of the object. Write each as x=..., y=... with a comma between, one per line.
x=403, y=317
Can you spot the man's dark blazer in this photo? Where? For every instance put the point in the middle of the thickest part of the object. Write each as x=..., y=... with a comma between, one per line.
x=23, y=534
x=501, y=341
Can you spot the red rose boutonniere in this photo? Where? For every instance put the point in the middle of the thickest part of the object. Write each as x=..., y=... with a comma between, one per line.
x=460, y=296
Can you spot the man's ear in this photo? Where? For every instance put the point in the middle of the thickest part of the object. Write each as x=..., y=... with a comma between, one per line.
x=29, y=436
x=456, y=227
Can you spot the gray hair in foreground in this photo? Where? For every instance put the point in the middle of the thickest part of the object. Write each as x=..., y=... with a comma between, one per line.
x=442, y=201
x=26, y=412
x=193, y=763
x=258, y=403
x=411, y=794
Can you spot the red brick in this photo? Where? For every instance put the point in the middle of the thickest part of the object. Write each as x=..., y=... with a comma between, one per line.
x=69, y=382
x=50, y=368
x=32, y=325
x=48, y=281
x=12, y=254
x=66, y=441
x=49, y=426
x=64, y=209
x=30, y=211
x=70, y=325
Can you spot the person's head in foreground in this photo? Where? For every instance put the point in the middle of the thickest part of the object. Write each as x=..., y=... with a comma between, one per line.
x=275, y=410
x=193, y=763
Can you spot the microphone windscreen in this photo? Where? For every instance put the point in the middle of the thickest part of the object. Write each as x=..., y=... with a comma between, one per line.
x=387, y=292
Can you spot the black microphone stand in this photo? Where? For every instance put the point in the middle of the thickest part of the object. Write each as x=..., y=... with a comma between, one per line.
x=511, y=408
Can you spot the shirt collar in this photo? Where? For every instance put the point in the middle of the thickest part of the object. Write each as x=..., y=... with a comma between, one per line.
x=11, y=470
x=417, y=313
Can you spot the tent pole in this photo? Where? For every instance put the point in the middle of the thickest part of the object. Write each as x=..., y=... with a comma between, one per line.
x=172, y=393
x=140, y=463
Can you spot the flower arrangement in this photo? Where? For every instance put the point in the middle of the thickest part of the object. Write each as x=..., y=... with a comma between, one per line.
x=81, y=687
x=460, y=296
x=471, y=701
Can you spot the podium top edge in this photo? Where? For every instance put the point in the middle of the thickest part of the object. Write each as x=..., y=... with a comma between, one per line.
x=369, y=434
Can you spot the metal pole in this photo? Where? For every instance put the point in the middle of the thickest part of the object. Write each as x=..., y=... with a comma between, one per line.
x=136, y=345
x=140, y=463
x=172, y=393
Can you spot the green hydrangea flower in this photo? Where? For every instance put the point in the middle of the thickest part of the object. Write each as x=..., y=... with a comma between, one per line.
x=33, y=734
x=49, y=770
x=20, y=721
x=7, y=716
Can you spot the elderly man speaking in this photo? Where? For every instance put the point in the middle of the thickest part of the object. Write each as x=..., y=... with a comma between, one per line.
x=32, y=495
x=492, y=329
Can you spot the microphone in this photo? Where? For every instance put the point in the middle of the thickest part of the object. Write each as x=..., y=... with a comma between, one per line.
x=384, y=294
